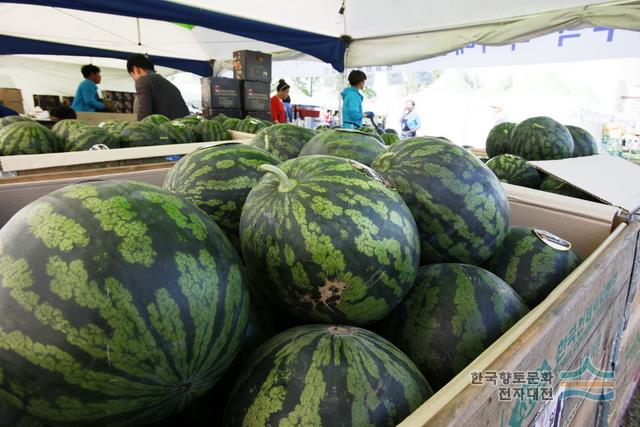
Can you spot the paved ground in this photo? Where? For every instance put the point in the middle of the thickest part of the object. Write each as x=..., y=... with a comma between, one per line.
x=632, y=417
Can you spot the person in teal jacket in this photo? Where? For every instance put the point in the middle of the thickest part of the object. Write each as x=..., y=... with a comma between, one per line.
x=352, y=100
x=86, y=99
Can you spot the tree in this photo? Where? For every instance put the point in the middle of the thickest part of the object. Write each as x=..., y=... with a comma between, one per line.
x=306, y=84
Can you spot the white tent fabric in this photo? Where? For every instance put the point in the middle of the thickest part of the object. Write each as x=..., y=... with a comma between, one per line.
x=383, y=32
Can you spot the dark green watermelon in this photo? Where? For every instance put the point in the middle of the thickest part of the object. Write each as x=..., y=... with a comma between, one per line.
x=192, y=120
x=324, y=375
x=26, y=137
x=267, y=123
x=390, y=138
x=551, y=184
x=322, y=128
x=218, y=179
x=530, y=266
x=251, y=125
x=63, y=128
x=499, y=139
x=6, y=121
x=85, y=137
x=284, y=140
x=219, y=118
x=584, y=144
x=514, y=170
x=458, y=203
x=208, y=130
x=370, y=130
x=121, y=303
x=346, y=143
x=114, y=126
x=142, y=134
x=178, y=132
x=156, y=119
x=453, y=313
x=391, y=131
x=326, y=239
x=232, y=123
x=14, y=416
x=541, y=138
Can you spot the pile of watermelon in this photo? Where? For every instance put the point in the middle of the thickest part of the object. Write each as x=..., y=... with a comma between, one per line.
x=509, y=146
x=306, y=278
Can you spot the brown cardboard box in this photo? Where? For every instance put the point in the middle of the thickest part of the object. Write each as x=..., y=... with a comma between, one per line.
x=13, y=95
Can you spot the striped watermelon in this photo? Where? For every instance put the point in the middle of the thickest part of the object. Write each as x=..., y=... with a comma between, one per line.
x=6, y=121
x=10, y=416
x=370, y=130
x=499, y=139
x=26, y=137
x=322, y=128
x=131, y=302
x=178, y=132
x=391, y=131
x=324, y=375
x=114, y=126
x=220, y=118
x=85, y=137
x=209, y=130
x=328, y=240
x=284, y=140
x=551, y=184
x=346, y=143
x=514, y=170
x=541, y=138
x=218, y=179
x=390, y=138
x=63, y=128
x=267, y=123
x=232, y=123
x=453, y=313
x=584, y=144
x=458, y=203
x=530, y=266
x=156, y=119
x=141, y=134
x=251, y=125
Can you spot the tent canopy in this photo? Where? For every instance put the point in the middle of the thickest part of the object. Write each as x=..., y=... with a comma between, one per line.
x=380, y=32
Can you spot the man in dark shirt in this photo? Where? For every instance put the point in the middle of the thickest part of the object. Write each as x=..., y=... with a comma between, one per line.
x=154, y=93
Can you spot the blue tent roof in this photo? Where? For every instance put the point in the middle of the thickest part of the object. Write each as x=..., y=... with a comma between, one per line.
x=10, y=45
x=326, y=48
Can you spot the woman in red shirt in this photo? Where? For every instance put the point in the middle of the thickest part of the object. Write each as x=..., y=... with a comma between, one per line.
x=278, y=113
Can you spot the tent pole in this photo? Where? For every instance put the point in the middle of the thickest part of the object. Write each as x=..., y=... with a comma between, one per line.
x=139, y=36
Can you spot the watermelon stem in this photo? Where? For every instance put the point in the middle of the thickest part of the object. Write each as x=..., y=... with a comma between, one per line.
x=285, y=183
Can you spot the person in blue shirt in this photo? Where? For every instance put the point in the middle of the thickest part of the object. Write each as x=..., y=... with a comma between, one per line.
x=6, y=111
x=410, y=121
x=86, y=99
x=352, y=100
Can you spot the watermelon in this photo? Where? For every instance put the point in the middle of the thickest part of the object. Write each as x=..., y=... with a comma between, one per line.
x=584, y=144
x=178, y=132
x=499, y=139
x=85, y=137
x=121, y=303
x=530, y=266
x=232, y=123
x=391, y=131
x=218, y=179
x=141, y=134
x=26, y=137
x=192, y=120
x=63, y=128
x=219, y=118
x=114, y=126
x=156, y=119
x=267, y=123
x=284, y=140
x=541, y=138
x=322, y=128
x=458, y=203
x=250, y=125
x=6, y=121
x=390, y=138
x=370, y=130
x=454, y=312
x=10, y=416
x=326, y=239
x=208, y=130
x=326, y=375
x=346, y=143
x=551, y=184
x=514, y=170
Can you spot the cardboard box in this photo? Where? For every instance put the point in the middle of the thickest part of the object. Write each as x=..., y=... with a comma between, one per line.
x=212, y=112
x=16, y=106
x=262, y=115
x=251, y=65
x=10, y=95
x=46, y=102
x=255, y=96
x=218, y=92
